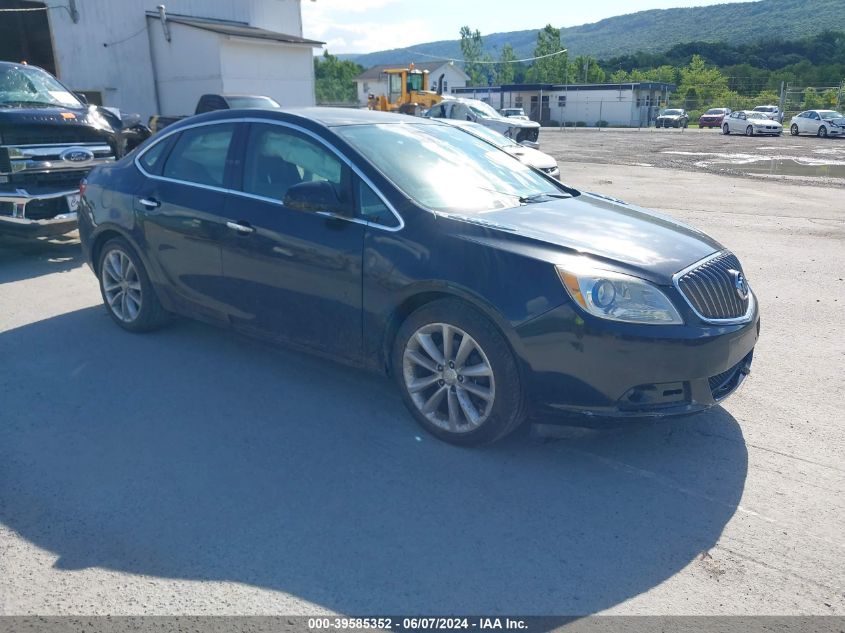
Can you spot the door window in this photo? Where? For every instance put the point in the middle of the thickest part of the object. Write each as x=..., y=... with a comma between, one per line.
x=278, y=158
x=199, y=155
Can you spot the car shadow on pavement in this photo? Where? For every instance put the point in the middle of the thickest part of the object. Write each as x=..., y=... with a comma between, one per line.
x=29, y=258
x=192, y=453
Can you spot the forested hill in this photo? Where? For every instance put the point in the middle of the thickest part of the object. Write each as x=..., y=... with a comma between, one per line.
x=651, y=31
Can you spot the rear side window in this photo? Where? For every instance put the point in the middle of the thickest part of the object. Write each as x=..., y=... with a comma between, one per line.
x=199, y=155
x=153, y=159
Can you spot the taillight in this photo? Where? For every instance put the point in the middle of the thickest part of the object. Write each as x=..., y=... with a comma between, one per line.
x=83, y=185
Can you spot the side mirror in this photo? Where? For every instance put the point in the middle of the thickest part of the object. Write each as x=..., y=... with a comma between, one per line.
x=81, y=97
x=315, y=196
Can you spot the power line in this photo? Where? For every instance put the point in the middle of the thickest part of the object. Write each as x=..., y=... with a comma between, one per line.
x=506, y=61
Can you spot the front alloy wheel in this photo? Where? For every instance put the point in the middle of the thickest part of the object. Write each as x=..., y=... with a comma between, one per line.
x=749, y=131
x=793, y=129
x=457, y=374
x=823, y=132
x=449, y=377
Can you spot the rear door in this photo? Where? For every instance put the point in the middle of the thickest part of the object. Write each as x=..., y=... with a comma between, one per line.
x=181, y=207
x=293, y=275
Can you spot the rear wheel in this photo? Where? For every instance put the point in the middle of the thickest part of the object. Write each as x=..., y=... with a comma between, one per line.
x=126, y=288
x=823, y=132
x=793, y=129
x=749, y=131
x=457, y=374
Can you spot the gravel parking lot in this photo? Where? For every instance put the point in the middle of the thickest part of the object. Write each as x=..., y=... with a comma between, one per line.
x=795, y=159
x=192, y=471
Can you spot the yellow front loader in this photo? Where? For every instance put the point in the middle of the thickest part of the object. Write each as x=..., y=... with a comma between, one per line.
x=407, y=92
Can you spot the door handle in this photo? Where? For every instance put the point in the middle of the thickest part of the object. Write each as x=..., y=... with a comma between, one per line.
x=150, y=203
x=241, y=227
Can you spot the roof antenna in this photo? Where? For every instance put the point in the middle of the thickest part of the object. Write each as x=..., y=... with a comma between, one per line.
x=162, y=14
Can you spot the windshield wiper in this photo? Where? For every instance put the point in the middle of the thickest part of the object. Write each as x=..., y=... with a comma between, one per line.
x=538, y=197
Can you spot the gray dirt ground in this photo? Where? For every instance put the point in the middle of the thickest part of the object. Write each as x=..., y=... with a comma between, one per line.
x=191, y=471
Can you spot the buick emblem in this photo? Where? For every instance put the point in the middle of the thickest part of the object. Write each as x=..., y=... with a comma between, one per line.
x=740, y=284
x=77, y=155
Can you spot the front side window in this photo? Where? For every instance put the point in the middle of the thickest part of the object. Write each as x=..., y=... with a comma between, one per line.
x=278, y=158
x=153, y=159
x=199, y=155
x=372, y=208
x=446, y=169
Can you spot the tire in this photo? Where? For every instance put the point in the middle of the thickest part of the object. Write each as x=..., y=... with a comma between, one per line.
x=127, y=293
x=793, y=129
x=749, y=131
x=726, y=129
x=822, y=132
x=492, y=408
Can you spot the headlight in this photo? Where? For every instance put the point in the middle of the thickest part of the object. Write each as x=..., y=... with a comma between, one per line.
x=618, y=297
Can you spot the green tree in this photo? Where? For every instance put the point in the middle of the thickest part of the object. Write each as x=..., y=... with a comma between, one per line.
x=585, y=69
x=472, y=47
x=701, y=85
x=334, y=80
x=506, y=70
x=548, y=69
x=812, y=99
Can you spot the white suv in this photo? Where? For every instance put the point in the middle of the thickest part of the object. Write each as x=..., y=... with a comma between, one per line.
x=771, y=111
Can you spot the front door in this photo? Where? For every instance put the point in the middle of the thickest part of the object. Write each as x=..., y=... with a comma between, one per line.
x=292, y=274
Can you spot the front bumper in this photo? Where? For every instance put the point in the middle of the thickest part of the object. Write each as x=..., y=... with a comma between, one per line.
x=18, y=224
x=586, y=367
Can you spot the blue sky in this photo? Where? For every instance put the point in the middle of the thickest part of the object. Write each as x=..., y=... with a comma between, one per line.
x=363, y=26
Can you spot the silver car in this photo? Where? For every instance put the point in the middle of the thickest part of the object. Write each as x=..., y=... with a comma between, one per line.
x=527, y=155
x=521, y=131
x=818, y=122
x=750, y=123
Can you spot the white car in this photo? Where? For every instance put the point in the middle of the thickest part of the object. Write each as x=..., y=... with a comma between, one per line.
x=531, y=157
x=525, y=132
x=516, y=113
x=750, y=123
x=818, y=122
x=771, y=111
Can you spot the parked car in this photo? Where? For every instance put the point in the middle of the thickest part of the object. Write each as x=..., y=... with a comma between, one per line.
x=750, y=122
x=213, y=102
x=49, y=139
x=485, y=289
x=818, y=122
x=771, y=111
x=673, y=117
x=516, y=113
x=527, y=155
x=521, y=131
x=713, y=118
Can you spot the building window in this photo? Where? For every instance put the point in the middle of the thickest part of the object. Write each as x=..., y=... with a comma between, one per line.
x=534, y=99
x=561, y=101
x=518, y=101
x=445, y=86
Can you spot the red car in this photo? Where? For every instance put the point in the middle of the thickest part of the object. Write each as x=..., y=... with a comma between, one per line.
x=713, y=117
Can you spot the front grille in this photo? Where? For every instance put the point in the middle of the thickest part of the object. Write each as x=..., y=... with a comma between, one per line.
x=527, y=134
x=711, y=288
x=721, y=385
x=63, y=179
x=52, y=134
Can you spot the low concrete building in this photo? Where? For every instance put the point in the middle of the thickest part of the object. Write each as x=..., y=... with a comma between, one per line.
x=130, y=55
x=374, y=80
x=631, y=104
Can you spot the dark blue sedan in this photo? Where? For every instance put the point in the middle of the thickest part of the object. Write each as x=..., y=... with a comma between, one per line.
x=488, y=290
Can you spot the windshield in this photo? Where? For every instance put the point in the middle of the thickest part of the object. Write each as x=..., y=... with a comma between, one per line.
x=757, y=115
x=673, y=112
x=827, y=115
x=27, y=85
x=445, y=169
x=491, y=136
x=715, y=111
x=415, y=81
x=252, y=102
x=765, y=109
x=483, y=110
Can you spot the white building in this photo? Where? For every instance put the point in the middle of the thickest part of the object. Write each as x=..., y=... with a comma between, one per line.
x=374, y=80
x=135, y=56
x=631, y=104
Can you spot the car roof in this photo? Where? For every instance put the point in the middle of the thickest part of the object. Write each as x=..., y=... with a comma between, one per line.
x=326, y=117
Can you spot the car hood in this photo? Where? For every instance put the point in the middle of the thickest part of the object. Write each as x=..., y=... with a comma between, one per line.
x=510, y=122
x=643, y=242
x=670, y=116
x=532, y=157
x=837, y=120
